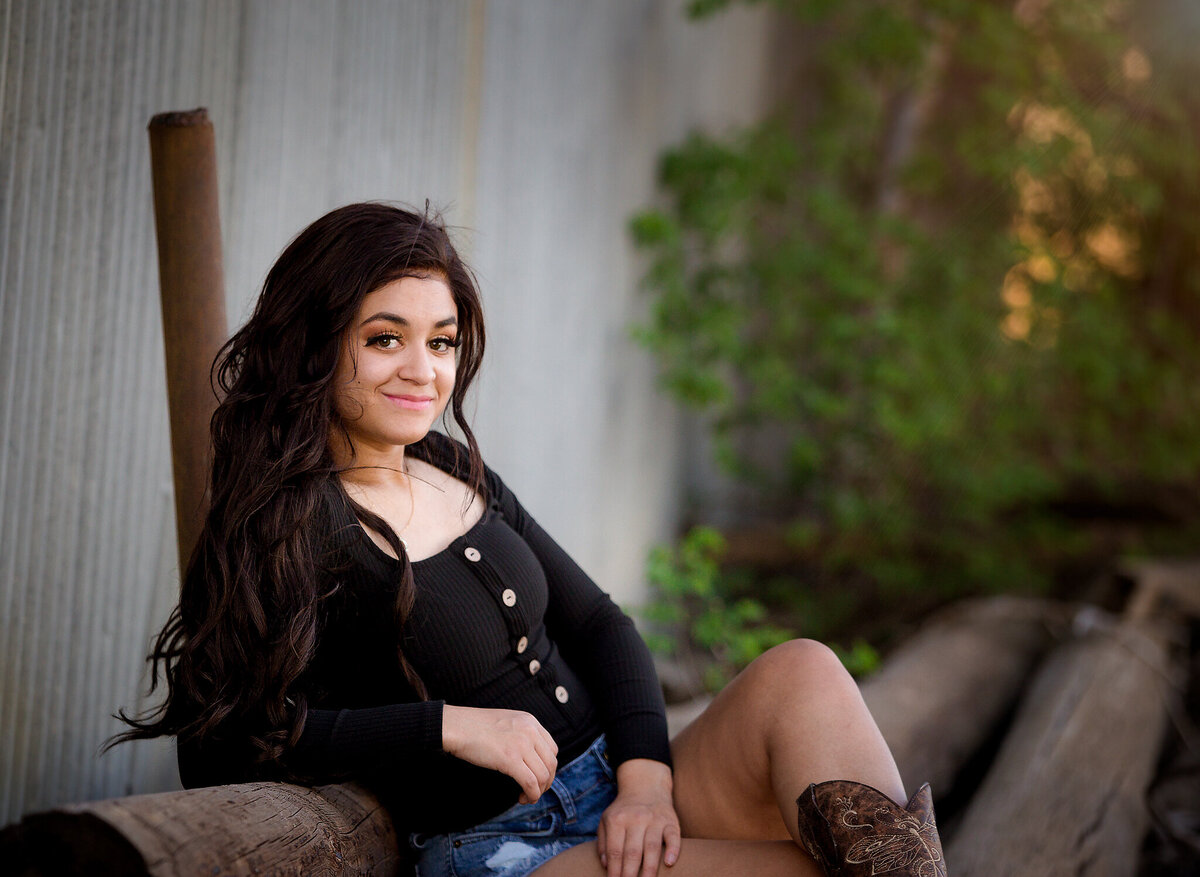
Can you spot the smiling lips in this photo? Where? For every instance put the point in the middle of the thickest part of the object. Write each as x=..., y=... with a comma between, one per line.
x=411, y=403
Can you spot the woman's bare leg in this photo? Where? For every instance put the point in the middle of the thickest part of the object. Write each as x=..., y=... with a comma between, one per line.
x=699, y=858
x=793, y=717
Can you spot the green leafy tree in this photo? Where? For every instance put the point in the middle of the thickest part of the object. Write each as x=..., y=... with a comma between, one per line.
x=955, y=279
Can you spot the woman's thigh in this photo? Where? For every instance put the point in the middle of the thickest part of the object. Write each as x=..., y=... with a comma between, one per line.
x=699, y=858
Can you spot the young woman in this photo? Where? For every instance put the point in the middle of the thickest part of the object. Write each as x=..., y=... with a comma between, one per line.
x=368, y=600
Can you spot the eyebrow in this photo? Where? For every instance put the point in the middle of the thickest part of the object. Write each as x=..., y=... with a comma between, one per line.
x=400, y=321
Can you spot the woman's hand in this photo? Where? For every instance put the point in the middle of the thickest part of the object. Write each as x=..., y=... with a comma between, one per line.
x=640, y=828
x=510, y=741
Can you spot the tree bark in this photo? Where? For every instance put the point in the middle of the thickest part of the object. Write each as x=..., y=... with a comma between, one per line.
x=252, y=829
x=1066, y=795
x=941, y=695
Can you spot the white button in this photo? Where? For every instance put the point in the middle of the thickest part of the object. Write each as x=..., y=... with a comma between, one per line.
x=534, y=666
x=561, y=694
x=472, y=554
x=522, y=645
x=509, y=597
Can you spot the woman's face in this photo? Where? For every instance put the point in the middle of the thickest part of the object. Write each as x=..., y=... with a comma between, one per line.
x=396, y=369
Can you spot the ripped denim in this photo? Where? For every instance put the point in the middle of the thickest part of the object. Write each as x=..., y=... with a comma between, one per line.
x=526, y=836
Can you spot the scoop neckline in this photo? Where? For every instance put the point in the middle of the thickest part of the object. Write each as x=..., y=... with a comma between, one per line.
x=489, y=510
x=436, y=447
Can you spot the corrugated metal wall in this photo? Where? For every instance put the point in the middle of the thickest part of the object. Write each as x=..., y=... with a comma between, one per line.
x=535, y=123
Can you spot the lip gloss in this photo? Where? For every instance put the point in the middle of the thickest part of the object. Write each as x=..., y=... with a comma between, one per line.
x=412, y=403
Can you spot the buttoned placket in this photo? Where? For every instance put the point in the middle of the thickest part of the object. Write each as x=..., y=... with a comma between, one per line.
x=512, y=618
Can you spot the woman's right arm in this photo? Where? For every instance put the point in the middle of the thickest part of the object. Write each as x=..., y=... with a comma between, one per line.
x=353, y=741
x=339, y=742
x=509, y=741
x=336, y=744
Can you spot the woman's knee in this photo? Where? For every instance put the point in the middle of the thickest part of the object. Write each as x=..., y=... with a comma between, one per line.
x=800, y=667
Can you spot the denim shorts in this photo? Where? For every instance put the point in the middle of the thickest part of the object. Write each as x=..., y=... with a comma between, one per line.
x=525, y=836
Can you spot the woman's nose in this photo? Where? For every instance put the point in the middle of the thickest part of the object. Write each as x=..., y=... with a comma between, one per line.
x=417, y=366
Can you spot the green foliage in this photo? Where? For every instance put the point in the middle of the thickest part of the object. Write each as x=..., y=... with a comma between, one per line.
x=861, y=659
x=957, y=277
x=691, y=612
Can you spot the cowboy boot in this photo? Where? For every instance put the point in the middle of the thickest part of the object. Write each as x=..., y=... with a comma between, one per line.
x=853, y=830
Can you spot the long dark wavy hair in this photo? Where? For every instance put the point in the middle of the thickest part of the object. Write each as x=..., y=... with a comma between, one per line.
x=248, y=618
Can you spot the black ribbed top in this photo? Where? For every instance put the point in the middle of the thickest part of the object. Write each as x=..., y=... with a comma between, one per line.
x=503, y=618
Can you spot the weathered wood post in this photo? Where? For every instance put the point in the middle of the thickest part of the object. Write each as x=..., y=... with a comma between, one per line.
x=183, y=162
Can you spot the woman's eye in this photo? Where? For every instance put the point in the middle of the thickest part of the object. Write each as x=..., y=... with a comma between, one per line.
x=442, y=345
x=384, y=341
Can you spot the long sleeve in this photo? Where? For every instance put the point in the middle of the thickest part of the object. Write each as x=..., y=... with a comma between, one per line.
x=351, y=741
x=334, y=744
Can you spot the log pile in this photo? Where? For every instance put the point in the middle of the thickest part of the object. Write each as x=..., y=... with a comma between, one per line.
x=1067, y=793
x=1040, y=725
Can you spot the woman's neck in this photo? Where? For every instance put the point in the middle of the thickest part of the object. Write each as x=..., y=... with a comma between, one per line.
x=368, y=466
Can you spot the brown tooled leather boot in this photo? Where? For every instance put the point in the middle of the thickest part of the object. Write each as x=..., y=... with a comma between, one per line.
x=853, y=830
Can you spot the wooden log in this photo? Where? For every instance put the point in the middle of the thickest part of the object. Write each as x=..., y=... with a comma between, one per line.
x=1066, y=794
x=939, y=697
x=183, y=163
x=253, y=829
